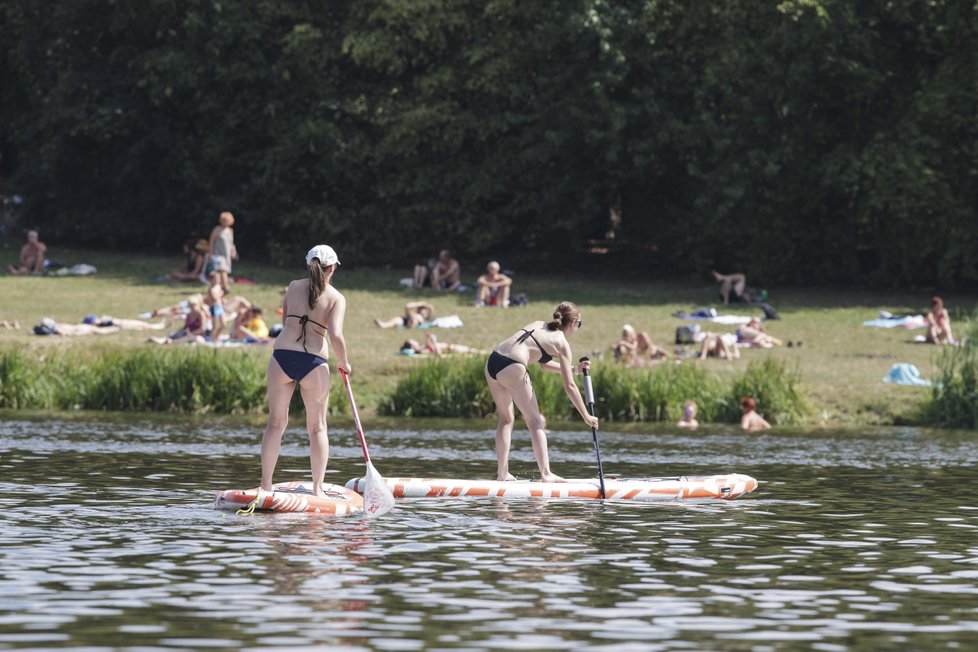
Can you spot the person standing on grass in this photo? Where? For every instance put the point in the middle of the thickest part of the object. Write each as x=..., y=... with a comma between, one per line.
x=214, y=300
x=750, y=420
x=222, y=249
x=509, y=381
x=313, y=310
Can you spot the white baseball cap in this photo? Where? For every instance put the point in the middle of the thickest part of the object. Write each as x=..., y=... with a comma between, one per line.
x=324, y=253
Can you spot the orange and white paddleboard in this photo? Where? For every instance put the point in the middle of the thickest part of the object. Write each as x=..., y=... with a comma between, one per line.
x=712, y=487
x=294, y=496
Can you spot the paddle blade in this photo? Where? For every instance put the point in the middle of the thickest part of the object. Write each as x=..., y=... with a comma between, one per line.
x=377, y=496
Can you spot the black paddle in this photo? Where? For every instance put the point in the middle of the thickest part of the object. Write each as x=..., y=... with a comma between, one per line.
x=589, y=399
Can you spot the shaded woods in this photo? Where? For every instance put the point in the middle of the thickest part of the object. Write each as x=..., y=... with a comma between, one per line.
x=799, y=141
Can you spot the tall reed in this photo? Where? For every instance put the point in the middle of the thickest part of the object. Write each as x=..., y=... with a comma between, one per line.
x=181, y=379
x=457, y=388
x=774, y=387
x=954, y=397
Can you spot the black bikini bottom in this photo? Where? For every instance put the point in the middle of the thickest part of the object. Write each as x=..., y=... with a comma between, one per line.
x=497, y=362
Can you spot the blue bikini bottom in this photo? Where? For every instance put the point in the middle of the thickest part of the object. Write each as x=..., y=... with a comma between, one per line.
x=297, y=364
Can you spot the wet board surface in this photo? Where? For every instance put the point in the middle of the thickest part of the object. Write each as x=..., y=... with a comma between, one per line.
x=294, y=496
x=713, y=487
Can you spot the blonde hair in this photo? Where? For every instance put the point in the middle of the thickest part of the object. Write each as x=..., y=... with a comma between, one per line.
x=565, y=313
x=226, y=217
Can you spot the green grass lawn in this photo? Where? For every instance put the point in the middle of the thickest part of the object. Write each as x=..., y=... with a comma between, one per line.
x=841, y=362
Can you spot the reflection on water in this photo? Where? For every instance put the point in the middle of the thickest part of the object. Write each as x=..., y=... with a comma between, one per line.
x=853, y=540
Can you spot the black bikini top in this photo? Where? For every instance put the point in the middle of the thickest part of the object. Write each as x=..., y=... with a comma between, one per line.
x=303, y=320
x=544, y=356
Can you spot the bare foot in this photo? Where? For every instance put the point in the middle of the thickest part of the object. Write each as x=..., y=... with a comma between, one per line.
x=550, y=477
x=509, y=478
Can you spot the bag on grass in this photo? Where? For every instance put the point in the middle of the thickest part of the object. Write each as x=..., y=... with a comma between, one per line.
x=684, y=334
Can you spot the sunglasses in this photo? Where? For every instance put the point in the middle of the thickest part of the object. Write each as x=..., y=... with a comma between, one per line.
x=579, y=323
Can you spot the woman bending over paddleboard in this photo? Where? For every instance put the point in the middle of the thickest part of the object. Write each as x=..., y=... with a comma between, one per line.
x=312, y=310
x=509, y=382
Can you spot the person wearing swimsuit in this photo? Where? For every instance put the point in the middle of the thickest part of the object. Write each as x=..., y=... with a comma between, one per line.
x=939, y=324
x=313, y=311
x=509, y=382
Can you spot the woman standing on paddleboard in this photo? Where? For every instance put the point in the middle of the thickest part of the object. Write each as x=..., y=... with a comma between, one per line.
x=509, y=382
x=312, y=310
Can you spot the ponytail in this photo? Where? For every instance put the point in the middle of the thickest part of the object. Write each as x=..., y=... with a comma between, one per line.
x=317, y=282
x=564, y=314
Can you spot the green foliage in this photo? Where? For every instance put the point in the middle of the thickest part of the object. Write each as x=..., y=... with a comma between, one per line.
x=180, y=380
x=457, y=388
x=776, y=390
x=799, y=141
x=441, y=388
x=954, y=398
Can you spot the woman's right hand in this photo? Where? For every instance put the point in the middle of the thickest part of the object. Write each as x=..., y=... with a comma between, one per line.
x=591, y=421
x=347, y=367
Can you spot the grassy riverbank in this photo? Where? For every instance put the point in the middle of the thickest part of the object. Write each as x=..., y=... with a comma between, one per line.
x=840, y=362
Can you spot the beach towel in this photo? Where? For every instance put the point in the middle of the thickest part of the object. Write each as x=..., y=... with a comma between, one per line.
x=710, y=314
x=886, y=320
x=904, y=373
x=449, y=321
x=81, y=269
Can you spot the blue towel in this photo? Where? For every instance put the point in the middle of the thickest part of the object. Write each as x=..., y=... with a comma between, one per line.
x=906, y=374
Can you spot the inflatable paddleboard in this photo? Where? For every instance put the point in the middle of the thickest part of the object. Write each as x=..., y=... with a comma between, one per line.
x=713, y=487
x=293, y=497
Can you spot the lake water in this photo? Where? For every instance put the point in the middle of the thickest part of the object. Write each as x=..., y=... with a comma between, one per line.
x=854, y=540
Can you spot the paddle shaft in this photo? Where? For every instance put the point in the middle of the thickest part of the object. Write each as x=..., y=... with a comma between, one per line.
x=589, y=400
x=356, y=415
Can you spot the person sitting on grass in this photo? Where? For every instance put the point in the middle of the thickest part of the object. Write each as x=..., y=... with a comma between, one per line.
x=249, y=325
x=754, y=334
x=493, y=287
x=433, y=347
x=31, y=256
x=750, y=420
x=415, y=314
x=194, y=325
x=939, y=324
x=636, y=349
x=446, y=274
x=196, y=253
x=422, y=274
x=688, y=419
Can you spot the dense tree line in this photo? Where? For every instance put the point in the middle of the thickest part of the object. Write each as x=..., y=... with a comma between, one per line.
x=800, y=140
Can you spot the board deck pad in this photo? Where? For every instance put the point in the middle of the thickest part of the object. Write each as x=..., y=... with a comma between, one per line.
x=712, y=487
